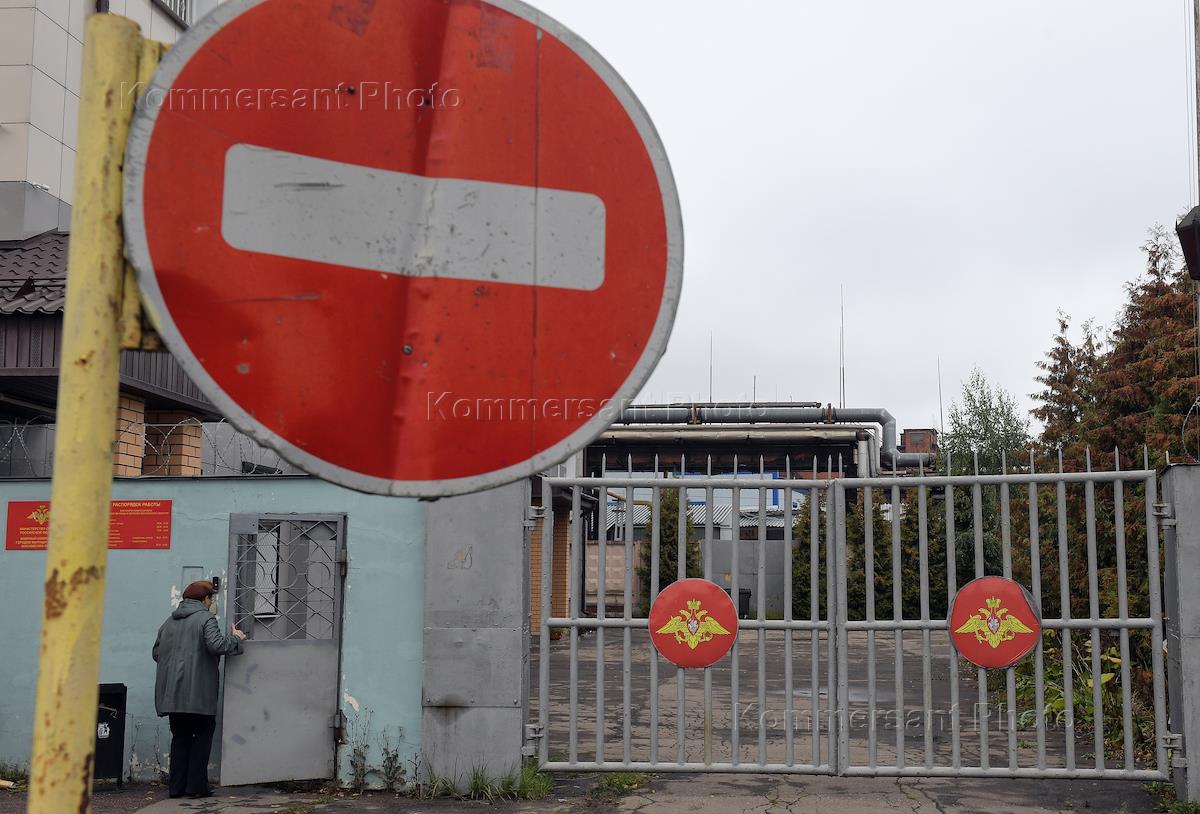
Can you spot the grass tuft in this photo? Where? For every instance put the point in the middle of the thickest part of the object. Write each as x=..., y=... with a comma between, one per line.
x=613, y=786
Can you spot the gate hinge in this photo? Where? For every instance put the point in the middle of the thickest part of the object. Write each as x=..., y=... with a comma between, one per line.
x=338, y=725
x=343, y=561
x=1165, y=513
x=532, y=515
x=1174, y=742
x=532, y=733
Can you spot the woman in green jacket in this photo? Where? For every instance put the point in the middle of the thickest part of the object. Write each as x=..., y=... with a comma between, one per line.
x=188, y=651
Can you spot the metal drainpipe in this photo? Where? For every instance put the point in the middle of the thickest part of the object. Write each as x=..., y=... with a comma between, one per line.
x=776, y=414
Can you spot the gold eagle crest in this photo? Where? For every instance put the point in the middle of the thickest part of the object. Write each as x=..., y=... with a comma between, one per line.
x=40, y=515
x=693, y=626
x=994, y=624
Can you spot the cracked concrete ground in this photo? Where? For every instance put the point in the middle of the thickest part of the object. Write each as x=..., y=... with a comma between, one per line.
x=851, y=795
x=718, y=794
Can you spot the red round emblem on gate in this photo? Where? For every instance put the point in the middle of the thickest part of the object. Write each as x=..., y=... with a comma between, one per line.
x=693, y=623
x=994, y=622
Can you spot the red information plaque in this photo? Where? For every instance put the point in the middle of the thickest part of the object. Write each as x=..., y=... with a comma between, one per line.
x=135, y=524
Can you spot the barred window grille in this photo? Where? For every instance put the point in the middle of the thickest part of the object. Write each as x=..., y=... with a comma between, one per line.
x=287, y=575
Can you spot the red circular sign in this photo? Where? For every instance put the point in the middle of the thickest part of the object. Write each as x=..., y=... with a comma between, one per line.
x=994, y=622
x=693, y=623
x=418, y=247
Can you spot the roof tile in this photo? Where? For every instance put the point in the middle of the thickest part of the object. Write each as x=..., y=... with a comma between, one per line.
x=33, y=274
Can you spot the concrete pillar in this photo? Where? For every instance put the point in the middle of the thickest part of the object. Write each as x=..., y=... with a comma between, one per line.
x=1181, y=491
x=475, y=675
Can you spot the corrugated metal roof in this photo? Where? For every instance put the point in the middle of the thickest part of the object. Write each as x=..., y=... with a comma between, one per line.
x=774, y=518
x=33, y=274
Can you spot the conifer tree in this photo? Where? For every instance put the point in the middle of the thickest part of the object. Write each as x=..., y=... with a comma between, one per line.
x=668, y=549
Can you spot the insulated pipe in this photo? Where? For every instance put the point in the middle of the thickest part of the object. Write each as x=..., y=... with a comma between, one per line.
x=775, y=414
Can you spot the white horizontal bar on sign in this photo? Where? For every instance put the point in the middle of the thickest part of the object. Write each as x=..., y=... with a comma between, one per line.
x=307, y=208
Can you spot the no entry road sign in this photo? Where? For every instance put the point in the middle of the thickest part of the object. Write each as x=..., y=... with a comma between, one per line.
x=419, y=247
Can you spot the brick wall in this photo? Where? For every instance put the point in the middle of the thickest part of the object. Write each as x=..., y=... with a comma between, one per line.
x=558, y=576
x=918, y=440
x=130, y=441
x=173, y=443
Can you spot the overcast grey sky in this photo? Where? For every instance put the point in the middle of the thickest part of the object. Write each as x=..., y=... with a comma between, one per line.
x=963, y=168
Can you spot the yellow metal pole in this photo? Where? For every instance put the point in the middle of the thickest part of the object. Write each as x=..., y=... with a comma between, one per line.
x=65, y=718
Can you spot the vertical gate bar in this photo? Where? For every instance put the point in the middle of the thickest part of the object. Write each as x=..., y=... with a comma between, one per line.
x=760, y=595
x=1064, y=599
x=627, y=639
x=814, y=542
x=926, y=645
x=601, y=604
x=1156, y=642
x=869, y=576
x=574, y=589
x=680, y=575
x=1089, y=492
x=788, y=700
x=655, y=506
x=1035, y=585
x=830, y=617
x=980, y=673
x=708, y=530
x=898, y=614
x=707, y=555
x=843, y=683
x=951, y=590
x=1010, y=676
x=735, y=533
x=1123, y=614
x=544, y=631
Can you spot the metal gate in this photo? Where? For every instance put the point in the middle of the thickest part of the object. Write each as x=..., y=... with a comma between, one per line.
x=285, y=575
x=844, y=664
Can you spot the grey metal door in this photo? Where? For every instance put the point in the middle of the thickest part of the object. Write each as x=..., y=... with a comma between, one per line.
x=280, y=701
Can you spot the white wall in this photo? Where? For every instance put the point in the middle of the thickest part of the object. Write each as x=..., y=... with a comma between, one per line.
x=41, y=55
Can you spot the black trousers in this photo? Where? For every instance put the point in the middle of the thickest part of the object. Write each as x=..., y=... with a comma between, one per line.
x=191, y=743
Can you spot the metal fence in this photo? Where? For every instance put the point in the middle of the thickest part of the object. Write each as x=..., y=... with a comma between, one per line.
x=183, y=11
x=857, y=674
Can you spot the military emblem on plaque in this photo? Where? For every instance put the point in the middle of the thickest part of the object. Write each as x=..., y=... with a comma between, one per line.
x=994, y=622
x=693, y=623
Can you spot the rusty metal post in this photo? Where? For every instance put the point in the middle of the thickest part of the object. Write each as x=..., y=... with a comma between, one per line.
x=68, y=671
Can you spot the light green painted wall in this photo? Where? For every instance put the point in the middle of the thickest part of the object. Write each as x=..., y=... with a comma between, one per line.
x=381, y=659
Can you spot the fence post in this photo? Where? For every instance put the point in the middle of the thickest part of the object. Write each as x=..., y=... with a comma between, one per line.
x=1181, y=492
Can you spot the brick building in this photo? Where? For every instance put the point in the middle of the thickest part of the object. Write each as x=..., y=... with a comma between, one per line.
x=158, y=423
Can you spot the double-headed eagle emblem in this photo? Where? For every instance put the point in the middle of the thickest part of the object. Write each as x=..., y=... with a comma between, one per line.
x=994, y=624
x=41, y=515
x=693, y=626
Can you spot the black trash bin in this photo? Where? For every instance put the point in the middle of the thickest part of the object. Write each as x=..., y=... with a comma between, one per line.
x=110, y=733
x=744, y=603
